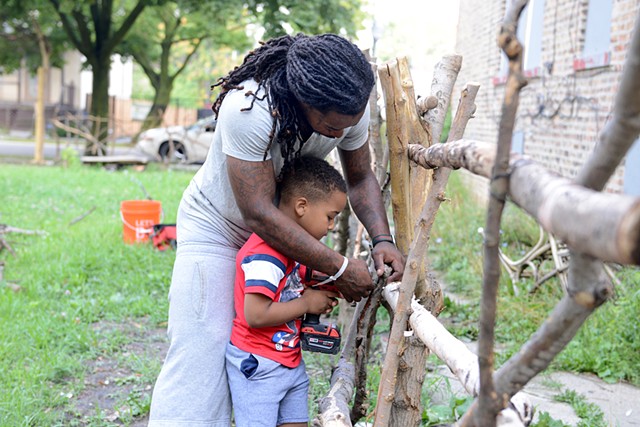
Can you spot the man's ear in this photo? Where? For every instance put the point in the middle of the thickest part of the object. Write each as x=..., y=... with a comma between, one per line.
x=301, y=206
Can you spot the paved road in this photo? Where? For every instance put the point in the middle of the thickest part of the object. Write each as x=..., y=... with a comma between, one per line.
x=25, y=149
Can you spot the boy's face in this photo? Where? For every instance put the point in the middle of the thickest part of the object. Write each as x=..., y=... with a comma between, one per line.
x=319, y=216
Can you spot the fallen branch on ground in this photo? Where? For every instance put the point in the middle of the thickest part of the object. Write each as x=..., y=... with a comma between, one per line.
x=81, y=217
x=4, y=229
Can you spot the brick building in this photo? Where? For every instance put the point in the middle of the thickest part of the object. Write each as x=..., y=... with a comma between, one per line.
x=574, y=54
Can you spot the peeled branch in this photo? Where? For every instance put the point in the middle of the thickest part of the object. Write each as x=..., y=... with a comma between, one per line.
x=458, y=358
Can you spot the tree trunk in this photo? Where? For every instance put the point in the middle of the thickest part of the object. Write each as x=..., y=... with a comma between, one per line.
x=407, y=404
x=38, y=154
x=407, y=126
x=161, y=101
x=39, y=110
x=100, y=106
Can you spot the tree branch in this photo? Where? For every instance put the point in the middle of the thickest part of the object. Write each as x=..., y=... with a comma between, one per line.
x=118, y=35
x=455, y=354
x=187, y=59
x=489, y=403
x=414, y=260
x=607, y=225
x=333, y=409
x=68, y=29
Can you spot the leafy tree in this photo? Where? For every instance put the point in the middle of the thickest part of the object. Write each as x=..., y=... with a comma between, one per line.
x=31, y=35
x=167, y=37
x=96, y=28
x=28, y=26
x=193, y=88
x=279, y=17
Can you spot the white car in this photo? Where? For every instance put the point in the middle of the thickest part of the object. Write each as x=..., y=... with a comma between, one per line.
x=188, y=144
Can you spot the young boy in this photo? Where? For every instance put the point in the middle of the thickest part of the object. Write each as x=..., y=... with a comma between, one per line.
x=267, y=378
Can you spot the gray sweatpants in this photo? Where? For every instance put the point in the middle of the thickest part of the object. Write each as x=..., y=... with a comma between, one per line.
x=192, y=388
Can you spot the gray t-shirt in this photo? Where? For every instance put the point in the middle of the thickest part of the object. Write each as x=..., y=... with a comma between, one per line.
x=245, y=136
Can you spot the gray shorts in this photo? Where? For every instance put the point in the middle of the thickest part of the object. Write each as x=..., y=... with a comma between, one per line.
x=266, y=393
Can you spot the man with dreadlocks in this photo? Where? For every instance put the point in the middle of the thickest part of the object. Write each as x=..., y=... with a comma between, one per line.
x=292, y=96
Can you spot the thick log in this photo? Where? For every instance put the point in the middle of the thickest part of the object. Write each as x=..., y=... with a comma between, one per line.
x=605, y=226
x=413, y=267
x=403, y=127
x=334, y=407
x=406, y=407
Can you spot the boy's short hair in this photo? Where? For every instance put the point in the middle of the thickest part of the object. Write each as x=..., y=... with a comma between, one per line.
x=309, y=177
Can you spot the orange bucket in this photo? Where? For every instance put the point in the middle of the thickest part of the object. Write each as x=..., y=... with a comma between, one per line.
x=138, y=218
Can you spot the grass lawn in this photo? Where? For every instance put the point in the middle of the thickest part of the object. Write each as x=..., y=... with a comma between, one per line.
x=60, y=289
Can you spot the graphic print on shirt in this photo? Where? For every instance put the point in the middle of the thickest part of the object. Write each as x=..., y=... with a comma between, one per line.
x=292, y=290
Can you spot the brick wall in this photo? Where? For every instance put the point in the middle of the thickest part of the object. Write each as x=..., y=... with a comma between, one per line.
x=561, y=110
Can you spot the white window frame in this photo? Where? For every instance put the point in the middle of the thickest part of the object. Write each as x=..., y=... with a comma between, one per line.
x=596, y=51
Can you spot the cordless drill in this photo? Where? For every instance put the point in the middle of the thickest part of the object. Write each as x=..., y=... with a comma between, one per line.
x=314, y=335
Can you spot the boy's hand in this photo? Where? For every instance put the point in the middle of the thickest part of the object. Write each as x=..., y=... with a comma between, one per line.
x=319, y=302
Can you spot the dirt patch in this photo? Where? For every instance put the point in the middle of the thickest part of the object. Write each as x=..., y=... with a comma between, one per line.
x=117, y=387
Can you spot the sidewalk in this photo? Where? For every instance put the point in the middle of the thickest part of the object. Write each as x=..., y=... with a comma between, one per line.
x=620, y=403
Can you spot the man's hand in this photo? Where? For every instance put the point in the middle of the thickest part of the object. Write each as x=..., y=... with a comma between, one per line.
x=355, y=283
x=386, y=253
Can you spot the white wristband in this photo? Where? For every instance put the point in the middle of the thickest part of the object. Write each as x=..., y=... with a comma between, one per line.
x=336, y=276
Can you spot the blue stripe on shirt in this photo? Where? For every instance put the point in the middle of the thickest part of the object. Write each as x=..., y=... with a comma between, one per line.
x=267, y=258
x=261, y=283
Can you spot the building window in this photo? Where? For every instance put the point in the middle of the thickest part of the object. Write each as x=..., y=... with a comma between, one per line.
x=530, y=26
x=517, y=142
x=597, y=39
x=632, y=170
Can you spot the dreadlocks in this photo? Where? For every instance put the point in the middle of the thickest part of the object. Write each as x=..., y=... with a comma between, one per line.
x=327, y=72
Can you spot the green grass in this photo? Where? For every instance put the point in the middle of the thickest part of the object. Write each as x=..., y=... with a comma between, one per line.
x=60, y=285
x=590, y=414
